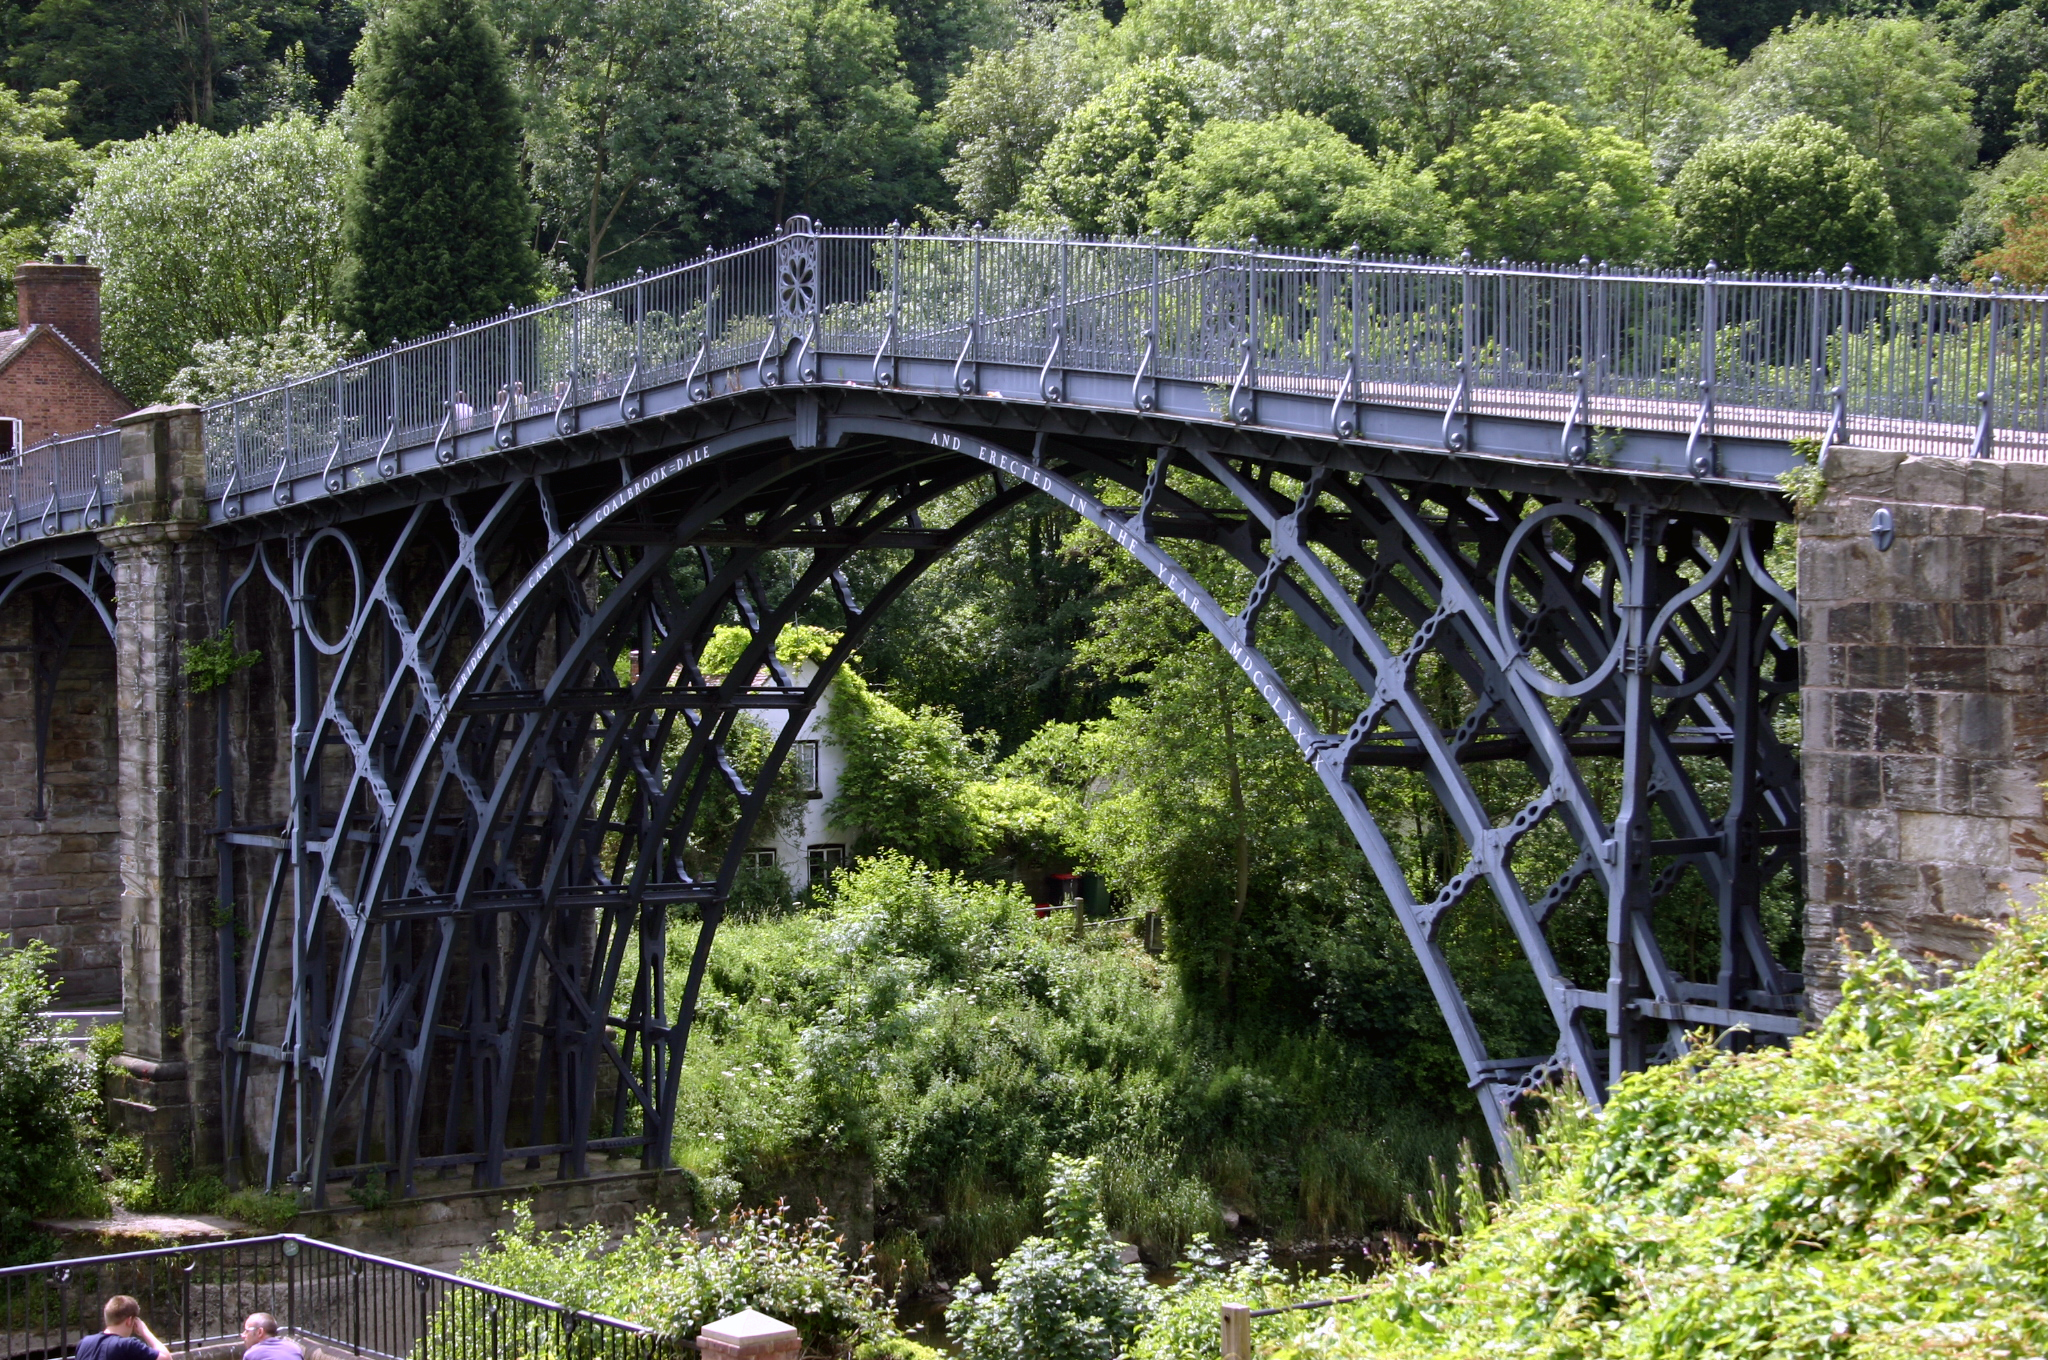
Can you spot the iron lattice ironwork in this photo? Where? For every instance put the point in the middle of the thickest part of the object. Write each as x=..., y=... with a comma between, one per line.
x=511, y=783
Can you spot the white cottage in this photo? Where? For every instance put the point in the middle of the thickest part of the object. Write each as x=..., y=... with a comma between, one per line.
x=817, y=848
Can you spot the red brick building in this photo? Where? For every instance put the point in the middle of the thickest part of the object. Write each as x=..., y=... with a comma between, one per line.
x=50, y=379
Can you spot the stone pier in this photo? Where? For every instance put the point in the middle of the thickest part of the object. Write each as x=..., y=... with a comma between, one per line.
x=1925, y=737
x=166, y=571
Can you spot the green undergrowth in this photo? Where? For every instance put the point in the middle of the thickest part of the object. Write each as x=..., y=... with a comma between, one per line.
x=1879, y=1190
x=932, y=1030
x=675, y=1278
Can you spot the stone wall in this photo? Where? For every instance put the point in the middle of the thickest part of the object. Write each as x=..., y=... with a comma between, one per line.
x=57, y=843
x=438, y=1232
x=1925, y=733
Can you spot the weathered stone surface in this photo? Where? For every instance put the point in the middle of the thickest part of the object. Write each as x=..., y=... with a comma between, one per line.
x=57, y=841
x=440, y=1230
x=1925, y=706
x=166, y=570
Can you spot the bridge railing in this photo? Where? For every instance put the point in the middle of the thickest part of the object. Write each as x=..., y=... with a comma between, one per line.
x=333, y=1300
x=66, y=482
x=1926, y=368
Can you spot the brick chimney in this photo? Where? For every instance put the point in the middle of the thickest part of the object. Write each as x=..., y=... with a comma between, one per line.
x=63, y=296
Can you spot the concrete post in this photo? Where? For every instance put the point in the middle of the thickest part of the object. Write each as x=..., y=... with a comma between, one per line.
x=748, y=1335
x=167, y=1089
x=1924, y=705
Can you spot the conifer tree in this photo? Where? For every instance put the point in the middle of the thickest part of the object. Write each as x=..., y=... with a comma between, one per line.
x=439, y=227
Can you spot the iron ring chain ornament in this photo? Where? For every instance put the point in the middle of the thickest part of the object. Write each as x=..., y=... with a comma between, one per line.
x=512, y=781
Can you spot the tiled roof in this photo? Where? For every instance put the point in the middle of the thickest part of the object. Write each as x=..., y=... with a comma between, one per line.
x=14, y=342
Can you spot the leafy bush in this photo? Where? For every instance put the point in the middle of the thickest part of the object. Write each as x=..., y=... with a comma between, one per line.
x=670, y=1278
x=1875, y=1191
x=46, y=1107
x=1060, y=1297
x=1184, y=1322
x=905, y=777
x=932, y=1028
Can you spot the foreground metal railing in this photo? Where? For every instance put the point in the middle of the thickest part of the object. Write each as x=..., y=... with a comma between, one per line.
x=333, y=1300
x=65, y=483
x=1926, y=368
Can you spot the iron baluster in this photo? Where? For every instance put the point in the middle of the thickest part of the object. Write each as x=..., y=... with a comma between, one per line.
x=1457, y=417
x=629, y=403
x=1838, y=421
x=886, y=350
x=1981, y=446
x=1699, y=446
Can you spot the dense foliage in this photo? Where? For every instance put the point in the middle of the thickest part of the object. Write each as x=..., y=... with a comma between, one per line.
x=203, y=238
x=45, y=1107
x=41, y=172
x=675, y=1279
x=1063, y=1296
x=1794, y=200
x=1877, y=1190
x=933, y=1032
x=438, y=230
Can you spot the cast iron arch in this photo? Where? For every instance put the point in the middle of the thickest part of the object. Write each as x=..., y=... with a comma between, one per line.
x=513, y=811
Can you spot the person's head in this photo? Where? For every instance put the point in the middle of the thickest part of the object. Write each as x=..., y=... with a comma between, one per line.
x=259, y=1326
x=120, y=1312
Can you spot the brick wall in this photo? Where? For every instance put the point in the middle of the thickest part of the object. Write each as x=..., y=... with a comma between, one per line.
x=1925, y=737
x=51, y=391
x=66, y=296
x=61, y=872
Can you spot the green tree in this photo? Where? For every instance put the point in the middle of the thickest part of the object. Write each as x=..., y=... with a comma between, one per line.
x=1295, y=181
x=1101, y=164
x=1444, y=63
x=204, y=238
x=439, y=229
x=841, y=131
x=636, y=125
x=1896, y=87
x=41, y=174
x=2002, y=53
x=1004, y=108
x=905, y=776
x=44, y=1106
x=1530, y=184
x=1797, y=199
x=1645, y=71
x=248, y=363
x=1997, y=195
x=936, y=38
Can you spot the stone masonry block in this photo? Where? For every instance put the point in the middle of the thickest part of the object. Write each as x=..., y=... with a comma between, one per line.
x=1853, y=621
x=1972, y=726
x=2026, y=488
x=1908, y=723
x=1861, y=472
x=1924, y=784
x=1935, y=481
x=1936, y=837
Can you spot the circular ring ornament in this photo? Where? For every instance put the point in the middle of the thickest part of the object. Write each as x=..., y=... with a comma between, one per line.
x=355, y=581
x=1519, y=662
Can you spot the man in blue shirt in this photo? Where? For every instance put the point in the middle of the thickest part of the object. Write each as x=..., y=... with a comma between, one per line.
x=127, y=1336
x=259, y=1335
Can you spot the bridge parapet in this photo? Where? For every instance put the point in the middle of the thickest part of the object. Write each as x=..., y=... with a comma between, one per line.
x=1707, y=376
x=1925, y=739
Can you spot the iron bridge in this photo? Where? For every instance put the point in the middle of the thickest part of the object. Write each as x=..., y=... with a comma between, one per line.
x=1528, y=513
